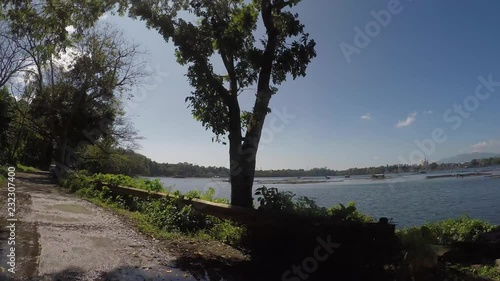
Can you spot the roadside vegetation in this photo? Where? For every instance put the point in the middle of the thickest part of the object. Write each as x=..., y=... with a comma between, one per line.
x=423, y=246
x=170, y=216
x=167, y=217
x=171, y=219
x=26, y=169
x=3, y=174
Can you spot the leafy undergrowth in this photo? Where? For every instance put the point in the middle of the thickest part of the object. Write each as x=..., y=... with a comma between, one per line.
x=485, y=271
x=165, y=217
x=423, y=245
x=273, y=201
x=458, y=230
x=26, y=169
x=76, y=181
x=189, y=250
x=3, y=175
x=196, y=236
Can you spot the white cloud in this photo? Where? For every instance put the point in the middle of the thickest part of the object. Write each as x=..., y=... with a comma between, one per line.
x=486, y=146
x=412, y=117
x=428, y=112
x=70, y=29
x=367, y=116
x=67, y=59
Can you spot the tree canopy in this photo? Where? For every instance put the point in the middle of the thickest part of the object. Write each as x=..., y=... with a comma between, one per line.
x=205, y=30
x=63, y=107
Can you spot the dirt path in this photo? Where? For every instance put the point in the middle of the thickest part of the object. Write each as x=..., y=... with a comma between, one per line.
x=62, y=237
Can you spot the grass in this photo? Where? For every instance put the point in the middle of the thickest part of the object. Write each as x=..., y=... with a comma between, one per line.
x=163, y=218
x=26, y=169
x=138, y=220
x=484, y=271
x=3, y=174
x=422, y=244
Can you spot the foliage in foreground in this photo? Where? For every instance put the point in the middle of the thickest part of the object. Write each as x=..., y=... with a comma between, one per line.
x=422, y=245
x=3, y=174
x=446, y=232
x=26, y=169
x=76, y=181
x=273, y=201
x=458, y=230
x=169, y=214
x=487, y=271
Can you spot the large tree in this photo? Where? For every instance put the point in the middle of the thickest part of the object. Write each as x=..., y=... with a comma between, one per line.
x=13, y=59
x=82, y=103
x=203, y=30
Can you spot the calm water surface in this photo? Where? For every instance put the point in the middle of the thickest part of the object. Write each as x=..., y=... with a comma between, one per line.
x=407, y=199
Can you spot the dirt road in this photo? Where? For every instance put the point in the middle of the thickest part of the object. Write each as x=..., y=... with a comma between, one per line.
x=62, y=237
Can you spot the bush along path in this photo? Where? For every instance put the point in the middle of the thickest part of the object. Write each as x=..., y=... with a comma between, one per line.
x=62, y=237
x=105, y=236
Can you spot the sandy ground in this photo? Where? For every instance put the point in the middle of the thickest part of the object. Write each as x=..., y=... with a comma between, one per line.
x=62, y=237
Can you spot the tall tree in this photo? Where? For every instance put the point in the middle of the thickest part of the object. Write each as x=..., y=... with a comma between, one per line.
x=228, y=29
x=13, y=59
x=83, y=99
x=6, y=117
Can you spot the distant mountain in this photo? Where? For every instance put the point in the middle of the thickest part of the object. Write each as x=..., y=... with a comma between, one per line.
x=467, y=157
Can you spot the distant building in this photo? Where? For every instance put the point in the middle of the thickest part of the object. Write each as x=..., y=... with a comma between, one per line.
x=425, y=163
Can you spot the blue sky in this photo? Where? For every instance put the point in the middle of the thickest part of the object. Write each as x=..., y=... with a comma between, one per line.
x=415, y=68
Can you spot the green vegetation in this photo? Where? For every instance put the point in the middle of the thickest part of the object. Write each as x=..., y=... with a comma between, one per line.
x=173, y=217
x=485, y=271
x=281, y=202
x=458, y=230
x=168, y=216
x=446, y=232
x=128, y=162
x=227, y=31
x=422, y=245
x=22, y=168
x=485, y=162
x=68, y=112
x=3, y=175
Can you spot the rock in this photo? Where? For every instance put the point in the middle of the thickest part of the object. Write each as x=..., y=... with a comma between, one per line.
x=497, y=262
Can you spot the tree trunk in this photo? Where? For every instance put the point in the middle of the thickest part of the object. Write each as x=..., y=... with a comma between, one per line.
x=243, y=155
x=242, y=168
x=243, y=152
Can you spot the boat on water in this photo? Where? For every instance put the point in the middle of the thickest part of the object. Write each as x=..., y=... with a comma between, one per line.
x=378, y=176
x=347, y=176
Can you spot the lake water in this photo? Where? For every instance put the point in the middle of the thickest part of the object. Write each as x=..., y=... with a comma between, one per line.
x=406, y=199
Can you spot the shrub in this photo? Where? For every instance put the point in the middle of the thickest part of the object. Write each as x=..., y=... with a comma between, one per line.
x=273, y=201
x=227, y=232
x=417, y=244
x=77, y=180
x=3, y=174
x=22, y=168
x=169, y=214
x=458, y=230
x=349, y=213
x=421, y=245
